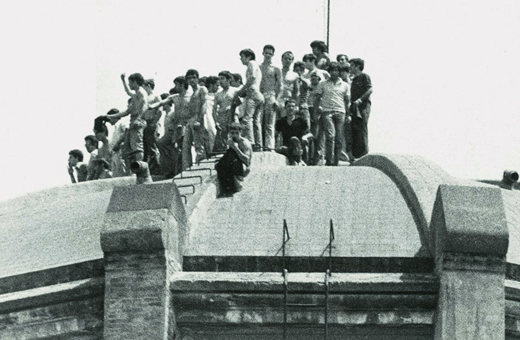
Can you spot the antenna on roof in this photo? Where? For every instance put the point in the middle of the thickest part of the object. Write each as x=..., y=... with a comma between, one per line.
x=328, y=23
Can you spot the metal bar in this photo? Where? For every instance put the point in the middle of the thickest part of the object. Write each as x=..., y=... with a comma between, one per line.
x=199, y=177
x=285, y=239
x=187, y=185
x=285, y=293
x=327, y=274
x=331, y=238
x=328, y=23
x=185, y=199
x=200, y=169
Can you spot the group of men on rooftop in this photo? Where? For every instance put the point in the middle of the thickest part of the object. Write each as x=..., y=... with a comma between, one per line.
x=315, y=114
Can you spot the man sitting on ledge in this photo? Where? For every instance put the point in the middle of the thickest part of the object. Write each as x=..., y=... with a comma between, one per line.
x=234, y=165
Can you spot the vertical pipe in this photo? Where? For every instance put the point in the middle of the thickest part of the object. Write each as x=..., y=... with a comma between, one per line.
x=327, y=274
x=285, y=293
x=328, y=23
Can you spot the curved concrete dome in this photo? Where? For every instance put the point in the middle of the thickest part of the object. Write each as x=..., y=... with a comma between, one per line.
x=370, y=216
x=54, y=227
x=381, y=207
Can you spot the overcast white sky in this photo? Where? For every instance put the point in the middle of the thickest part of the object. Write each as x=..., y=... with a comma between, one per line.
x=445, y=73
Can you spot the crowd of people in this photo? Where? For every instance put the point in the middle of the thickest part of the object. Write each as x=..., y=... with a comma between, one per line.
x=313, y=111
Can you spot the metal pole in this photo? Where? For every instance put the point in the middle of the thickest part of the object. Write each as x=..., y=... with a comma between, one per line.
x=327, y=274
x=285, y=292
x=328, y=23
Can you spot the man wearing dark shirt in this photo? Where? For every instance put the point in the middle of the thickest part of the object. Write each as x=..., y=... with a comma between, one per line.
x=291, y=125
x=361, y=90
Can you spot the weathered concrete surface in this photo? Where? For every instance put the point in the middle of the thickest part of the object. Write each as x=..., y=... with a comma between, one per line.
x=54, y=227
x=512, y=207
x=252, y=305
x=76, y=319
x=371, y=218
x=268, y=332
x=143, y=246
x=303, y=282
x=418, y=179
x=468, y=222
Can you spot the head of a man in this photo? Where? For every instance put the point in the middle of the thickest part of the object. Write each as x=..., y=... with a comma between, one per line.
x=225, y=79
x=287, y=59
x=212, y=84
x=342, y=59
x=315, y=78
x=192, y=77
x=344, y=72
x=111, y=113
x=234, y=131
x=299, y=67
x=149, y=86
x=318, y=47
x=237, y=80
x=75, y=156
x=333, y=70
x=268, y=52
x=91, y=143
x=310, y=61
x=290, y=108
x=357, y=66
x=135, y=81
x=246, y=55
x=178, y=83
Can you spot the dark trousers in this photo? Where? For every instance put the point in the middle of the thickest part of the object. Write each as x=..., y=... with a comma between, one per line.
x=151, y=152
x=359, y=132
x=228, y=167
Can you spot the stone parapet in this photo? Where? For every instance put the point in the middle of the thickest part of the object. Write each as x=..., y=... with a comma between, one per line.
x=142, y=239
x=471, y=240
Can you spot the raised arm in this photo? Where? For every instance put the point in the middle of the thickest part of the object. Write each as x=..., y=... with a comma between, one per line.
x=127, y=89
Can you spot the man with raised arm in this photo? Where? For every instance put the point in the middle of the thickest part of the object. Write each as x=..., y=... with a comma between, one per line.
x=152, y=118
x=320, y=49
x=138, y=104
x=254, y=99
x=270, y=88
x=333, y=97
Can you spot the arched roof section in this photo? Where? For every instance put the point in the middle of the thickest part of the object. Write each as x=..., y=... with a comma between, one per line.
x=418, y=180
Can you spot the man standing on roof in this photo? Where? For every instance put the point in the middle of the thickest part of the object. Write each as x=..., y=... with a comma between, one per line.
x=137, y=106
x=360, y=101
x=254, y=99
x=270, y=87
x=333, y=97
x=152, y=118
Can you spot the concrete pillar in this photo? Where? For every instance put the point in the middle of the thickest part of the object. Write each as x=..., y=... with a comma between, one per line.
x=142, y=239
x=470, y=241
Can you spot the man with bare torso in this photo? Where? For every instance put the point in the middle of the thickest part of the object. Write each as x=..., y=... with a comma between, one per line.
x=270, y=88
x=134, y=148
